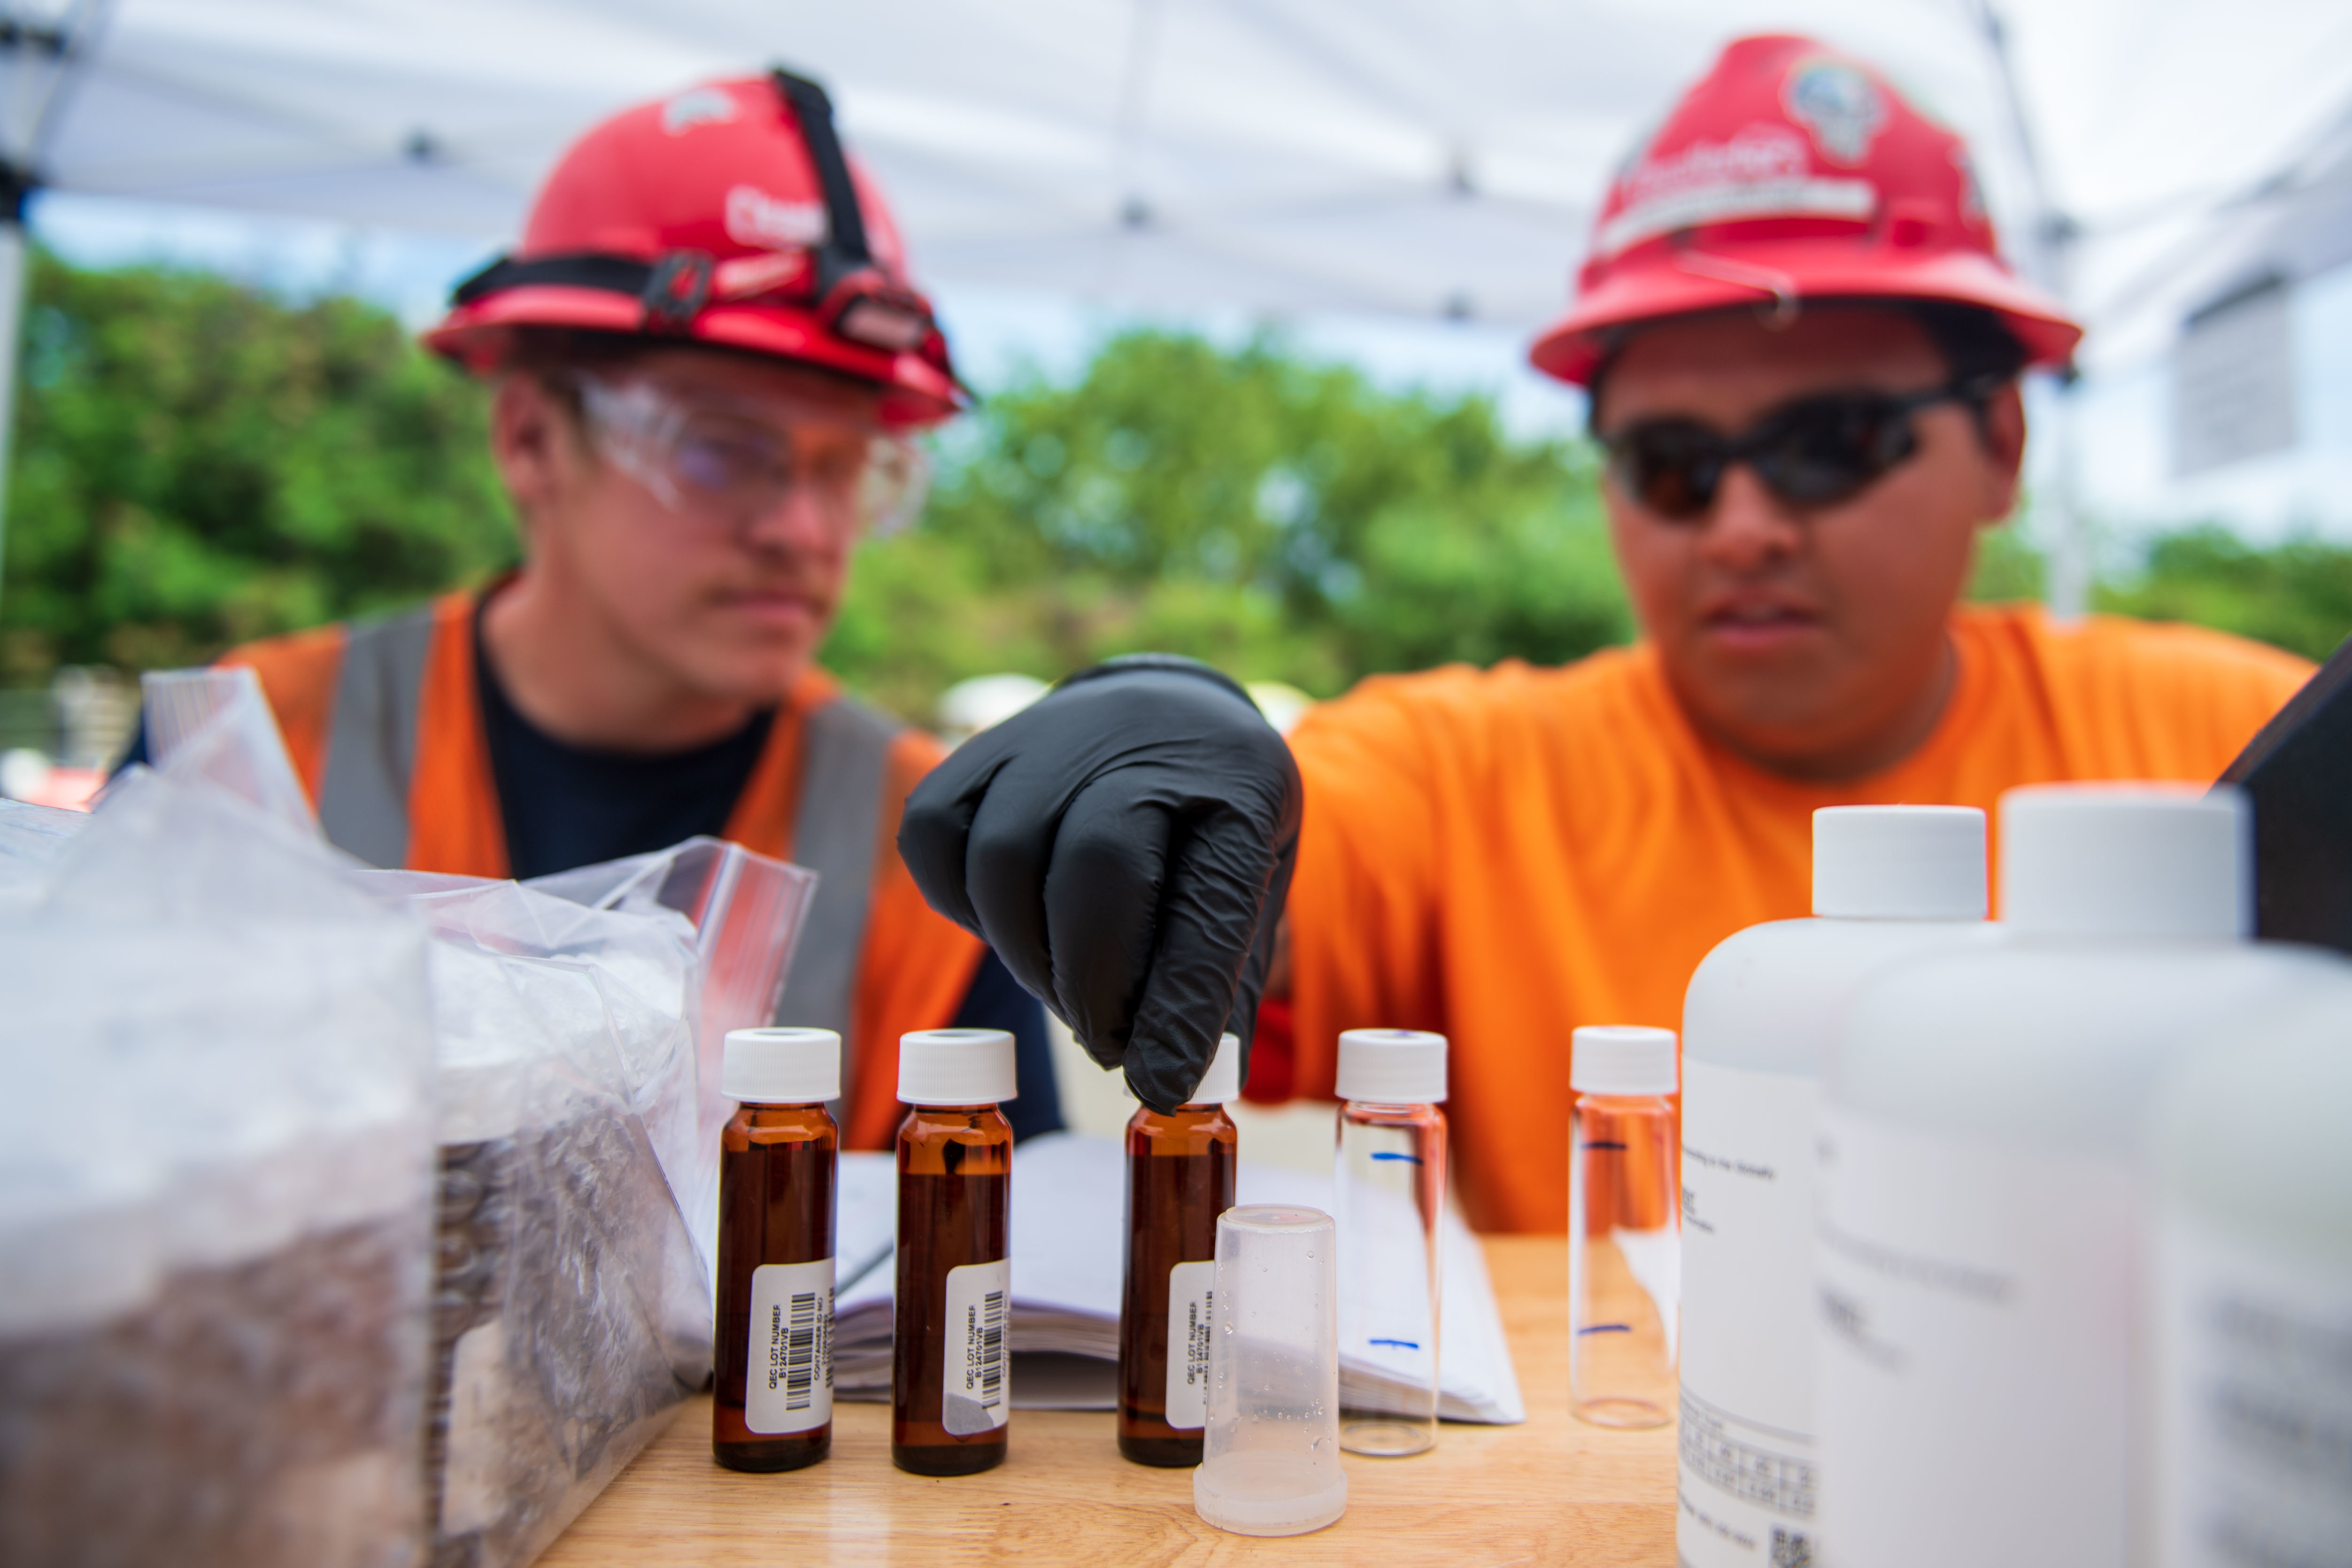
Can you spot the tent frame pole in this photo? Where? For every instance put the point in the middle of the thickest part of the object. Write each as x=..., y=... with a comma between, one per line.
x=15, y=274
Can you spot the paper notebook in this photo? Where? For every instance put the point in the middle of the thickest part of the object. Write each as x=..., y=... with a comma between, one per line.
x=1069, y=1248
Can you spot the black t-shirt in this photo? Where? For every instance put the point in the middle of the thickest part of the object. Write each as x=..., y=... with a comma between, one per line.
x=565, y=805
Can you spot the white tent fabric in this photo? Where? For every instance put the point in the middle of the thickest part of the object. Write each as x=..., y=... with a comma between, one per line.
x=1278, y=155
x=1430, y=157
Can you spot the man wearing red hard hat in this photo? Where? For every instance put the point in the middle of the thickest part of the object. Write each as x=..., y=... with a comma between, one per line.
x=706, y=358
x=1803, y=351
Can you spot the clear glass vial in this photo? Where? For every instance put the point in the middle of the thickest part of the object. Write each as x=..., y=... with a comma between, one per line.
x=1624, y=1227
x=1389, y=1189
x=1179, y=1178
x=1270, y=1452
x=950, y=1364
x=773, y=1408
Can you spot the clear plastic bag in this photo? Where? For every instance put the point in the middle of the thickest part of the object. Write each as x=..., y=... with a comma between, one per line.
x=573, y=1306
x=215, y=1198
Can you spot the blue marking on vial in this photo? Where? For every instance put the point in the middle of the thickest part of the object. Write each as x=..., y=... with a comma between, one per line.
x=1597, y=1328
x=1389, y=1154
x=1401, y=1344
x=1619, y=1147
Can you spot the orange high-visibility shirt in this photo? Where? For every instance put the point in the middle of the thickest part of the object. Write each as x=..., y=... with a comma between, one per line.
x=1504, y=855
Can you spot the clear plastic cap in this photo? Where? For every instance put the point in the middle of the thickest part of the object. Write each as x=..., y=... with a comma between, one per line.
x=1270, y=1449
x=1393, y=1067
x=2127, y=860
x=781, y=1067
x=956, y=1067
x=1900, y=863
x=1622, y=1059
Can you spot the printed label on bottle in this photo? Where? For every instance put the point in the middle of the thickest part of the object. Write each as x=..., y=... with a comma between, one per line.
x=788, y=1373
x=1974, y=1354
x=1747, y=1480
x=2254, y=1359
x=976, y=1387
x=1190, y=1293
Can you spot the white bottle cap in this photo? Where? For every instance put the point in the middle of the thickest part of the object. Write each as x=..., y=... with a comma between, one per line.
x=1393, y=1067
x=781, y=1067
x=1223, y=1082
x=1622, y=1059
x=2128, y=860
x=1899, y=862
x=956, y=1067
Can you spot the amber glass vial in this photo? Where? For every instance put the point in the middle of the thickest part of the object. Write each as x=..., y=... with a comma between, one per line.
x=950, y=1364
x=1179, y=1178
x=773, y=1408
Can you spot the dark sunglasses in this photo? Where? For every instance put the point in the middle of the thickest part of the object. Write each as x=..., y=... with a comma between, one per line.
x=1815, y=451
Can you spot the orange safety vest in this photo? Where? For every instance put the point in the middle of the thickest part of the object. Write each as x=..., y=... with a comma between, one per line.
x=383, y=725
x=1503, y=855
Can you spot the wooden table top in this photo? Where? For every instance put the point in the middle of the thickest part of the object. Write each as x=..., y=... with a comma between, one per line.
x=1553, y=1490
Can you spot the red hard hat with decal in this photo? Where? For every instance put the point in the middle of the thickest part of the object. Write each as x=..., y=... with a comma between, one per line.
x=1792, y=173
x=726, y=215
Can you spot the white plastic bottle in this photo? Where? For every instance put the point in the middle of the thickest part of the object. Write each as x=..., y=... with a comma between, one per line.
x=1978, y=1244
x=2250, y=1300
x=1889, y=883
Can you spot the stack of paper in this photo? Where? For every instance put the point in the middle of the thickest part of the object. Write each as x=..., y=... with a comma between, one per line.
x=1069, y=1245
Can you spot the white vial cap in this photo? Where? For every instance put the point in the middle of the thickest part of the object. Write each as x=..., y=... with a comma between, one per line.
x=956, y=1067
x=781, y=1067
x=1393, y=1067
x=1622, y=1059
x=1899, y=862
x=2127, y=860
x=1223, y=1082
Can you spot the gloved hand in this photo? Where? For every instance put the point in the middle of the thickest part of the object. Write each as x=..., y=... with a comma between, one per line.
x=1125, y=845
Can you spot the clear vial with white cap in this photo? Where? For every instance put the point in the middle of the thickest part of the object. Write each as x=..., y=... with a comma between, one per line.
x=951, y=1369
x=1388, y=1191
x=773, y=1354
x=1270, y=1453
x=1179, y=1178
x=1890, y=882
x=1979, y=1370
x=1624, y=1229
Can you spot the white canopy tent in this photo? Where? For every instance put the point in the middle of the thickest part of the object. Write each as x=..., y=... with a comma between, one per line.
x=1281, y=155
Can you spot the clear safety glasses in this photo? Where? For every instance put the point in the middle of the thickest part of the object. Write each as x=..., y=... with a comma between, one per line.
x=730, y=462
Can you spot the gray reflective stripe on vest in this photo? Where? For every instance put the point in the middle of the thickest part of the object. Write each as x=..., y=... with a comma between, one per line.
x=371, y=753
x=843, y=750
x=371, y=740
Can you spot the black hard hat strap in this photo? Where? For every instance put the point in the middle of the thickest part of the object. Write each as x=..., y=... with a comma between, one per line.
x=845, y=250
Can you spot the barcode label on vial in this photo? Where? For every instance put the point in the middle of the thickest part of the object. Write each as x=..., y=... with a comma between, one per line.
x=788, y=1374
x=1190, y=1295
x=976, y=1386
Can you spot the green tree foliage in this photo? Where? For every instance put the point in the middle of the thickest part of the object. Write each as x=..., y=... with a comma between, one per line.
x=198, y=463
x=2296, y=595
x=1282, y=520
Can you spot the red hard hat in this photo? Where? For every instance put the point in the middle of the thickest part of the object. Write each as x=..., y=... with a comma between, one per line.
x=1792, y=173
x=726, y=215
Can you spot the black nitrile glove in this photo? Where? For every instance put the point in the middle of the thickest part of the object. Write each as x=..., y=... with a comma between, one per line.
x=1125, y=845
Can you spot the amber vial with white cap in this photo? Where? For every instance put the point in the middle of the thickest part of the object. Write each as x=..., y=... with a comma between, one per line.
x=1624, y=1231
x=773, y=1408
x=1179, y=1178
x=1270, y=1453
x=950, y=1371
x=1388, y=1191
